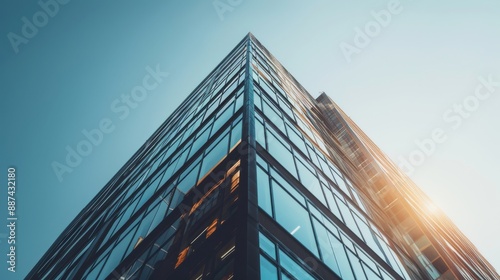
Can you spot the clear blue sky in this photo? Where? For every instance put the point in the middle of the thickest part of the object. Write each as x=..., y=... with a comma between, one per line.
x=396, y=86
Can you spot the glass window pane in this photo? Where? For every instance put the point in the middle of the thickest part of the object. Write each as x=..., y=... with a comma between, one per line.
x=356, y=266
x=259, y=133
x=223, y=118
x=118, y=252
x=285, y=108
x=182, y=158
x=291, y=266
x=332, y=204
x=281, y=153
x=263, y=191
x=257, y=101
x=310, y=181
x=341, y=183
x=343, y=262
x=273, y=116
x=267, y=245
x=146, y=223
x=369, y=237
x=287, y=186
x=236, y=134
x=267, y=269
x=230, y=89
x=239, y=102
x=348, y=219
x=285, y=277
x=326, y=242
x=267, y=89
x=160, y=214
x=176, y=199
x=314, y=157
x=215, y=155
x=367, y=261
x=296, y=139
x=149, y=191
x=190, y=180
x=262, y=162
x=202, y=139
x=294, y=218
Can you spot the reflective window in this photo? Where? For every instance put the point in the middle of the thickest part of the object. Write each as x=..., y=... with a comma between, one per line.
x=370, y=274
x=326, y=243
x=291, y=266
x=296, y=139
x=271, y=113
x=267, y=245
x=343, y=262
x=288, y=266
x=348, y=219
x=260, y=133
x=294, y=218
x=118, y=252
x=356, y=266
x=310, y=181
x=341, y=183
x=202, y=139
x=367, y=261
x=236, y=134
x=287, y=186
x=160, y=212
x=267, y=269
x=281, y=153
x=223, y=117
x=215, y=155
x=263, y=191
x=186, y=183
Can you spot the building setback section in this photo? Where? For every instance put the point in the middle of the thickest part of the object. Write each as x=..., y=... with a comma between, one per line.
x=253, y=178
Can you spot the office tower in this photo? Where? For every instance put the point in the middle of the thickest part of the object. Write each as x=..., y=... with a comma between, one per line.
x=253, y=178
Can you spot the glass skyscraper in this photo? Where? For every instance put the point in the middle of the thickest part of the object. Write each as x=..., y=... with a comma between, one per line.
x=253, y=178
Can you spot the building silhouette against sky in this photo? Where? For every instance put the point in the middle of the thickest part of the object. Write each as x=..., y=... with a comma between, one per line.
x=253, y=178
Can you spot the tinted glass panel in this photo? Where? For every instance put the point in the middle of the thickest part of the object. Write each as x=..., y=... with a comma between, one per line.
x=294, y=218
x=291, y=266
x=267, y=269
x=278, y=150
x=326, y=243
x=263, y=190
x=267, y=245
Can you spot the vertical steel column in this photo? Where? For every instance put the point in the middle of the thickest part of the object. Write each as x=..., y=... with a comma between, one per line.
x=247, y=265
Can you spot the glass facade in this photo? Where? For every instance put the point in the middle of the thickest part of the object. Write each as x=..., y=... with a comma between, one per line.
x=250, y=178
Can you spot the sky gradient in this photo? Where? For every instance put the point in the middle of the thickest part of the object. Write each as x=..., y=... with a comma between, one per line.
x=406, y=79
